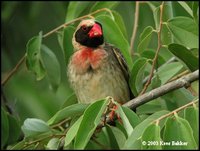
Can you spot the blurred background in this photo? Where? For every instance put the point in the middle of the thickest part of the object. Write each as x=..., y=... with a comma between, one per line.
x=20, y=21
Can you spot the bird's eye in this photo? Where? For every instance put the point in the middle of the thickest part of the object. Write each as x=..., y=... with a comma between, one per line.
x=84, y=28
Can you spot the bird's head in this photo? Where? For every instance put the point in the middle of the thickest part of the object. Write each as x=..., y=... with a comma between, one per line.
x=89, y=33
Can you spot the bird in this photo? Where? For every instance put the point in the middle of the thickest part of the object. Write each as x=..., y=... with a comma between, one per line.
x=97, y=69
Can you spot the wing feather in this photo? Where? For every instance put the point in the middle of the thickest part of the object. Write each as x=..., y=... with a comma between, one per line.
x=122, y=62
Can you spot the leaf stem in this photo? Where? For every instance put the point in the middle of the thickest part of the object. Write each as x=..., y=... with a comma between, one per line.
x=60, y=123
x=41, y=139
x=157, y=51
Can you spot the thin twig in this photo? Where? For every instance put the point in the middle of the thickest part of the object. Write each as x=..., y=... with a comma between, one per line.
x=176, y=110
x=134, y=28
x=41, y=139
x=157, y=51
x=13, y=71
x=60, y=123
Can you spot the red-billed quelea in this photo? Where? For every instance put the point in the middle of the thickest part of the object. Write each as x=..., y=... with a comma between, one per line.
x=96, y=69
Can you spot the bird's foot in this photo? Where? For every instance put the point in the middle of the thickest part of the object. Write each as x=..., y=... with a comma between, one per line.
x=113, y=112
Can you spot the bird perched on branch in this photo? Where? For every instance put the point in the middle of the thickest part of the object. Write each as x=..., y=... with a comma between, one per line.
x=96, y=69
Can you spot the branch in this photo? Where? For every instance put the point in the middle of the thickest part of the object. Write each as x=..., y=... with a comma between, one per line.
x=157, y=51
x=155, y=93
x=13, y=71
x=134, y=28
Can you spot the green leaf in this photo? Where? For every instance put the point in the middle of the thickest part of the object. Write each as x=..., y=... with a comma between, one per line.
x=150, y=107
x=194, y=121
x=195, y=86
x=114, y=36
x=72, y=131
x=67, y=42
x=167, y=13
x=151, y=137
x=118, y=135
x=185, y=31
x=33, y=126
x=137, y=75
x=53, y=144
x=143, y=72
x=155, y=82
x=195, y=52
x=184, y=55
x=167, y=71
x=150, y=54
x=33, y=58
x=69, y=111
x=128, y=127
x=72, y=99
x=113, y=142
x=166, y=36
x=139, y=129
x=120, y=125
x=100, y=5
x=4, y=128
x=18, y=146
x=186, y=7
x=52, y=66
x=195, y=11
x=172, y=99
x=102, y=138
x=119, y=21
x=14, y=130
x=145, y=39
x=60, y=39
x=178, y=130
x=129, y=118
x=90, y=121
x=75, y=9
x=132, y=116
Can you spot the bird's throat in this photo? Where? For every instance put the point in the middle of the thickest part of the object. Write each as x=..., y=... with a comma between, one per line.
x=88, y=58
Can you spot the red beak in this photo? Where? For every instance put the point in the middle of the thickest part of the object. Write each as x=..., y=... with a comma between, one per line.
x=95, y=31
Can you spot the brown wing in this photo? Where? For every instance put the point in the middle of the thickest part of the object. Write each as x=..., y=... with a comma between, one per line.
x=122, y=63
x=120, y=58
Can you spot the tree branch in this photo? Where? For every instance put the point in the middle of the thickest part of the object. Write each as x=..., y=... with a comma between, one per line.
x=134, y=28
x=157, y=51
x=155, y=93
x=13, y=71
